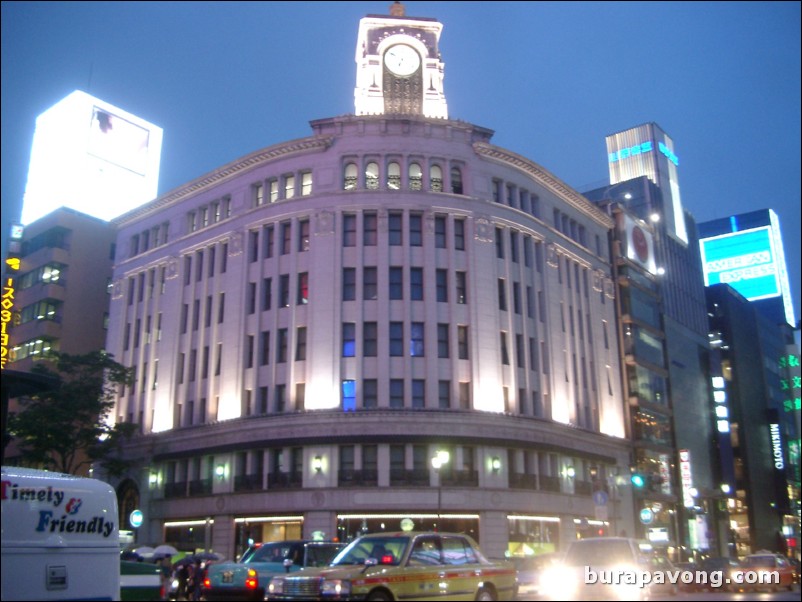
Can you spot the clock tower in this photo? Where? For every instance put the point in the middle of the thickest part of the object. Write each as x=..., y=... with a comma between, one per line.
x=399, y=71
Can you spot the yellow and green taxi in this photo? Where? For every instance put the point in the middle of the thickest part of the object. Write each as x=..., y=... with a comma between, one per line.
x=403, y=566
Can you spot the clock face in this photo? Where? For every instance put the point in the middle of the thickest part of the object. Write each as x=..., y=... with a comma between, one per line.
x=402, y=60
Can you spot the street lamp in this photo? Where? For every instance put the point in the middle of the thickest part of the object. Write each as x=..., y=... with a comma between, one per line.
x=440, y=459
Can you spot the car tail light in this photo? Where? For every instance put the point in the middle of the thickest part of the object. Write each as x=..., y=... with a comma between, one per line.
x=252, y=580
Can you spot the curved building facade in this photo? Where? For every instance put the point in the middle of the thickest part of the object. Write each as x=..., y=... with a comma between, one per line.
x=311, y=325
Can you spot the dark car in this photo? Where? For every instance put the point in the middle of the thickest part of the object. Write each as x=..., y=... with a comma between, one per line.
x=530, y=571
x=247, y=579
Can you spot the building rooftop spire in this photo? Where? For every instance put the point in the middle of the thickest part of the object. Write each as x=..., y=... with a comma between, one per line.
x=397, y=9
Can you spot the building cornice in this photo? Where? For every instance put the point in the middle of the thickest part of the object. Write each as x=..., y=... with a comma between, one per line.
x=231, y=170
x=547, y=179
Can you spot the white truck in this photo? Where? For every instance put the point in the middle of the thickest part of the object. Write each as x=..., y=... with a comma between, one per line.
x=60, y=537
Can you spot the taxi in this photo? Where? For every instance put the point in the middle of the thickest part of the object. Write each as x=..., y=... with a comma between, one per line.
x=764, y=570
x=403, y=566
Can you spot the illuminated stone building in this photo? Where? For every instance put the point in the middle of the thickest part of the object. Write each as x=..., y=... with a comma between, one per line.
x=313, y=323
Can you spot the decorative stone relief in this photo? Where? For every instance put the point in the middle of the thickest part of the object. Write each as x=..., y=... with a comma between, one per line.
x=324, y=223
x=172, y=268
x=552, y=259
x=483, y=229
x=235, y=244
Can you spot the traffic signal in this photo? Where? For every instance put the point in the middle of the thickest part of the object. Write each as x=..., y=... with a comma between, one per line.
x=638, y=480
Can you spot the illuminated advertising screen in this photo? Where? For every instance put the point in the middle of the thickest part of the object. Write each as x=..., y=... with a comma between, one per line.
x=639, y=243
x=745, y=260
x=92, y=157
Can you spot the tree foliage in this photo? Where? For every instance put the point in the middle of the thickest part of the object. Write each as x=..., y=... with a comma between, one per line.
x=67, y=427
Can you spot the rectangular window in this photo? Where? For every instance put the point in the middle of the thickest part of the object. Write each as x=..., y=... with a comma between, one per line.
x=349, y=230
x=267, y=293
x=264, y=348
x=289, y=187
x=416, y=346
x=416, y=284
x=465, y=396
x=303, y=235
x=370, y=285
x=459, y=234
x=370, y=393
x=280, y=399
x=499, y=243
x=444, y=394
x=502, y=294
x=349, y=284
x=461, y=287
x=249, y=355
x=462, y=342
x=184, y=318
x=253, y=246
x=282, y=346
x=516, y=297
x=273, y=186
x=396, y=339
x=370, y=229
x=441, y=277
x=505, y=356
x=348, y=396
x=519, y=351
x=258, y=194
x=440, y=222
x=396, y=393
x=286, y=234
x=268, y=236
x=442, y=341
x=303, y=288
x=532, y=354
x=349, y=339
x=251, y=298
x=396, y=283
x=514, y=246
x=369, y=339
x=218, y=359
x=418, y=393
x=396, y=233
x=284, y=291
x=221, y=309
x=416, y=230
x=300, y=344
x=306, y=183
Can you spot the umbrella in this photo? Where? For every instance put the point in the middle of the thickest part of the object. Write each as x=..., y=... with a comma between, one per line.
x=199, y=557
x=164, y=550
x=143, y=551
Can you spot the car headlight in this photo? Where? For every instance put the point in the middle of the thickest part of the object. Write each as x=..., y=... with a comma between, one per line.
x=558, y=583
x=335, y=587
x=276, y=585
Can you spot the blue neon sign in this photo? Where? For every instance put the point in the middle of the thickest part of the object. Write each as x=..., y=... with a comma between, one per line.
x=632, y=151
x=744, y=260
x=640, y=149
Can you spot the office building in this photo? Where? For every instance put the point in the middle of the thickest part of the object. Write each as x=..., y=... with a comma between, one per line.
x=314, y=323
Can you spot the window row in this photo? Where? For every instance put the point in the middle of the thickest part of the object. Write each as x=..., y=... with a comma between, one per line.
x=209, y=214
x=402, y=279
x=45, y=309
x=389, y=175
x=51, y=273
x=516, y=197
x=37, y=348
x=151, y=238
x=271, y=244
x=286, y=186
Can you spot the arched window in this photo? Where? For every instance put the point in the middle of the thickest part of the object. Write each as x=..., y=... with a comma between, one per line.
x=351, y=177
x=435, y=178
x=456, y=180
x=372, y=176
x=394, y=176
x=415, y=177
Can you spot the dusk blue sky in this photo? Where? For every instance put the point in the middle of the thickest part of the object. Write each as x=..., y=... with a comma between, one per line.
x=552, y=79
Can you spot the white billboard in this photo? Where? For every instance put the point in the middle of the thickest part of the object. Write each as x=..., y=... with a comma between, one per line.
x=92, y=157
